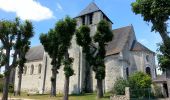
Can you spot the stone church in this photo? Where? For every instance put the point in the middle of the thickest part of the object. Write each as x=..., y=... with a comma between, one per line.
x=124, y=56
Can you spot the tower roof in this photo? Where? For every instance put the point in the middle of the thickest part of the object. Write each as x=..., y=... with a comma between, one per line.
x=92, y=7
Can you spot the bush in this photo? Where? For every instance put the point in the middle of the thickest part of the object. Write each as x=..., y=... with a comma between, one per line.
x=139, y=80
x=11, y=88
x=1, y=76
x=119, y=86
x=140, y=85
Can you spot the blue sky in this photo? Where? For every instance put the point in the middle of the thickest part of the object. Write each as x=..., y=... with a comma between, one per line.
x=45, y=13
x=119, y=11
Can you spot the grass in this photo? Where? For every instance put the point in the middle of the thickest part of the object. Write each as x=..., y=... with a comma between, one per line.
x=88, y=96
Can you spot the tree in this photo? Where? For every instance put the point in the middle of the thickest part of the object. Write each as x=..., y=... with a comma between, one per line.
x=26, y=32
x=157, y=12
x=84, y=40
x=56, y=43
x=66, y=28
x=51, y=44
x=102, y=36
x=10, y=38
x=163, y=57
x=2, y=58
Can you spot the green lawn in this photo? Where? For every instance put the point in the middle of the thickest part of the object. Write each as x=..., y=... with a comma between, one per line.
x=91, y=96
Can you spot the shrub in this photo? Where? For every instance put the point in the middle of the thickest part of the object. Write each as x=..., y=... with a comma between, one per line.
x=11, y=88
x=139, y=80
x=1, y=75
x=119, y=86
x=140, y=84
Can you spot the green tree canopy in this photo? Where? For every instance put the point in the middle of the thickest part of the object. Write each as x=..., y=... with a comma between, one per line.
x=158, y=13
x=13, y=35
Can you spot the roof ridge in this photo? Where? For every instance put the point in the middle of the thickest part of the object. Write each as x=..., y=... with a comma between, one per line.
x=36, y=46
x=128, y=26
x=140, y=48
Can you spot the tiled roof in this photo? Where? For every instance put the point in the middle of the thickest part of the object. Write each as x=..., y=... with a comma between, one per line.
x=136, y=46
x=92, y=7
x=35, y=53
x=119, y=40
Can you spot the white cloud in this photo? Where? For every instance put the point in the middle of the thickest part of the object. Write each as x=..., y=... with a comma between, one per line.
x=27, y=9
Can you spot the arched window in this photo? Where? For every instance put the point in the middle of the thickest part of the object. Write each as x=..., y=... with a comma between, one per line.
x=148, y=71
x=32, y=69
x=127, y=72
x=147, y=58
x=39, y=68
x=25, y=69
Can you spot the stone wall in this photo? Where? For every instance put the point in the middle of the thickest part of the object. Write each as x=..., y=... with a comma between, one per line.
x=113, y=71
x=30, y=81
x=122, y=97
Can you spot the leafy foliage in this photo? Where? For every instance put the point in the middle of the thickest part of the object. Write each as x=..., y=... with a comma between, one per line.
x=83, y=38
x=66, y=29
x=56, y=43
x=157, y=12
x=13, y=35
x=102, y=36
x=163, y=57
x=68, y=71
x=119, y=86
x=139, y=81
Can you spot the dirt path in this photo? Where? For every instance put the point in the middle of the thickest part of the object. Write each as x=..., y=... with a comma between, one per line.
x=19, y=99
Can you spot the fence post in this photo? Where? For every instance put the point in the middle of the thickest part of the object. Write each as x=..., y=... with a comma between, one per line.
x=149, y=93
x=127, y=93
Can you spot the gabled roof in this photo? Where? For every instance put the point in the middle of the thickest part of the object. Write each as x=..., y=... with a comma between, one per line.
x=119, y=40
x=92, y=7
x=35, y=53
x=136, y=46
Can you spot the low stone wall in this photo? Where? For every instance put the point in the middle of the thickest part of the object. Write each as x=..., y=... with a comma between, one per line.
x=122, y=97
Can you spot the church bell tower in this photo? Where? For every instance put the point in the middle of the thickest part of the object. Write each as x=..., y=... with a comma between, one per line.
x=91, y=16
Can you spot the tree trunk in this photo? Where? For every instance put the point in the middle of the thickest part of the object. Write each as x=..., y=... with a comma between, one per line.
x=18, y=91
x=66, y=88
x=164, y=37
x=7, y=76
x=99, y=88
x=53, y=82
x=87, y=81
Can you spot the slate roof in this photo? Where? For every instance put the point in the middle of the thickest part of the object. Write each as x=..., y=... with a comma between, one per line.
x=119, y=40
x=35, y=53
x=92, y=7
x=136, y=46
x=121, y=37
